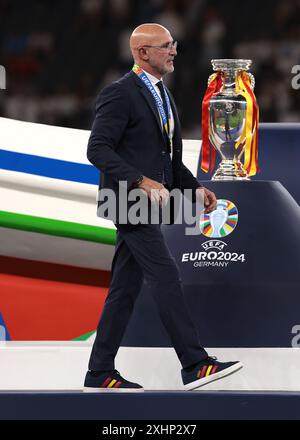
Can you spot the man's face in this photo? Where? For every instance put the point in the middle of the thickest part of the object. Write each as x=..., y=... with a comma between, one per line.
x=162, y=55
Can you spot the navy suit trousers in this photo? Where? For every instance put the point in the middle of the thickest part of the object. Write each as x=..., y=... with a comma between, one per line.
x=141, y=253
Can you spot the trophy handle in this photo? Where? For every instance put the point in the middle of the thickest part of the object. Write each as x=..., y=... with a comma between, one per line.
x=252, y=79
x=210, y=78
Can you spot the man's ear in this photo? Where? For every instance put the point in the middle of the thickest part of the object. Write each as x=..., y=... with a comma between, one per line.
x=143, y=54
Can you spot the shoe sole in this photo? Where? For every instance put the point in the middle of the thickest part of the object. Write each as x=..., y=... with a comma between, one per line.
x=205, y=380
x=112, y=390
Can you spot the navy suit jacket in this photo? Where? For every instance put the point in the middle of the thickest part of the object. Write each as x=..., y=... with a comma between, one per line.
x=127, y=140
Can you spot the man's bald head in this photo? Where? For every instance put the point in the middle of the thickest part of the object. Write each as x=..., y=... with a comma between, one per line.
x=148, y=34
x=149, y=46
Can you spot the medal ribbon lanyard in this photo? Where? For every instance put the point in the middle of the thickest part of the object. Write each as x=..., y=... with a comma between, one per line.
x=166, y=119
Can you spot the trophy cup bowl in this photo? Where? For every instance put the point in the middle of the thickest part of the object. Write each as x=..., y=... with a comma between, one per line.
x=227, y=119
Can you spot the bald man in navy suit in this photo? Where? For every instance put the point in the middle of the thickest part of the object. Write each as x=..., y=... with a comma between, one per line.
x=136, y=139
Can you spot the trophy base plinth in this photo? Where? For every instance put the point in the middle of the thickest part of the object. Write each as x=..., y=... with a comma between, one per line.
x=230, y=170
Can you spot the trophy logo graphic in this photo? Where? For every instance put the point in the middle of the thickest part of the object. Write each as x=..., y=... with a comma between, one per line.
x=220, y=222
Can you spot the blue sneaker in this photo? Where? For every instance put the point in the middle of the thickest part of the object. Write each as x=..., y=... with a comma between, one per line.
x=108, y=381
x=207, y=371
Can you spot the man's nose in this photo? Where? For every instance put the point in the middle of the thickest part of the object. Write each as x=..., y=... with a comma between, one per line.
x=173, y=51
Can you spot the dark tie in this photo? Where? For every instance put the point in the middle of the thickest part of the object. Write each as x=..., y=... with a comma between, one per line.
x=168, y=172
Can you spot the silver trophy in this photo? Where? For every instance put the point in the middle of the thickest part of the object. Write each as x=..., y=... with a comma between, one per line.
x=227, y=118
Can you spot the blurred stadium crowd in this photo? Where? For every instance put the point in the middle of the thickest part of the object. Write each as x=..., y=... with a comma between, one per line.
x=59, y=54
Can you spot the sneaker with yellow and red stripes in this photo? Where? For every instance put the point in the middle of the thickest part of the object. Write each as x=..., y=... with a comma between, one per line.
x=108, y=381
x=206, y=371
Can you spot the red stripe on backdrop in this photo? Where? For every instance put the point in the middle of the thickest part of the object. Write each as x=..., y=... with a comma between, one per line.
x=38, y=309
x=55, y=272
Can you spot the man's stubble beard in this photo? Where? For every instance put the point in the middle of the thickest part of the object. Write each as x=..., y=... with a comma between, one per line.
x=162, y=70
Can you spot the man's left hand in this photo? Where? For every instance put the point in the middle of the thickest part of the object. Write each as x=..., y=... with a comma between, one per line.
x=210, y=200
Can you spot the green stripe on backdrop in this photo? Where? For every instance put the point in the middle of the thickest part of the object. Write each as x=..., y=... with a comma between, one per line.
x=59, y=228
x=84, y=337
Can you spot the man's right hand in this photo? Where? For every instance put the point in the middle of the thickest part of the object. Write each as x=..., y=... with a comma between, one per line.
x=156, y=191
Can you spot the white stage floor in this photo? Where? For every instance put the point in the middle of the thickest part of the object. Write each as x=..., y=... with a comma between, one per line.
x=62, y=366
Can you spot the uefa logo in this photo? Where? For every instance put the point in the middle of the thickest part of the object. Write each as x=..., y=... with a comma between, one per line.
x=220, y=222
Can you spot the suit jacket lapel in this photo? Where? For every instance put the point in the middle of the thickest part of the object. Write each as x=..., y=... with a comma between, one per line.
x=149, y=99
x=177, y=139
x=147, y=95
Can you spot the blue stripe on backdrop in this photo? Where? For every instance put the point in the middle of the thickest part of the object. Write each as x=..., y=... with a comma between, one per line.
x=44, y=166
x=4, y=335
